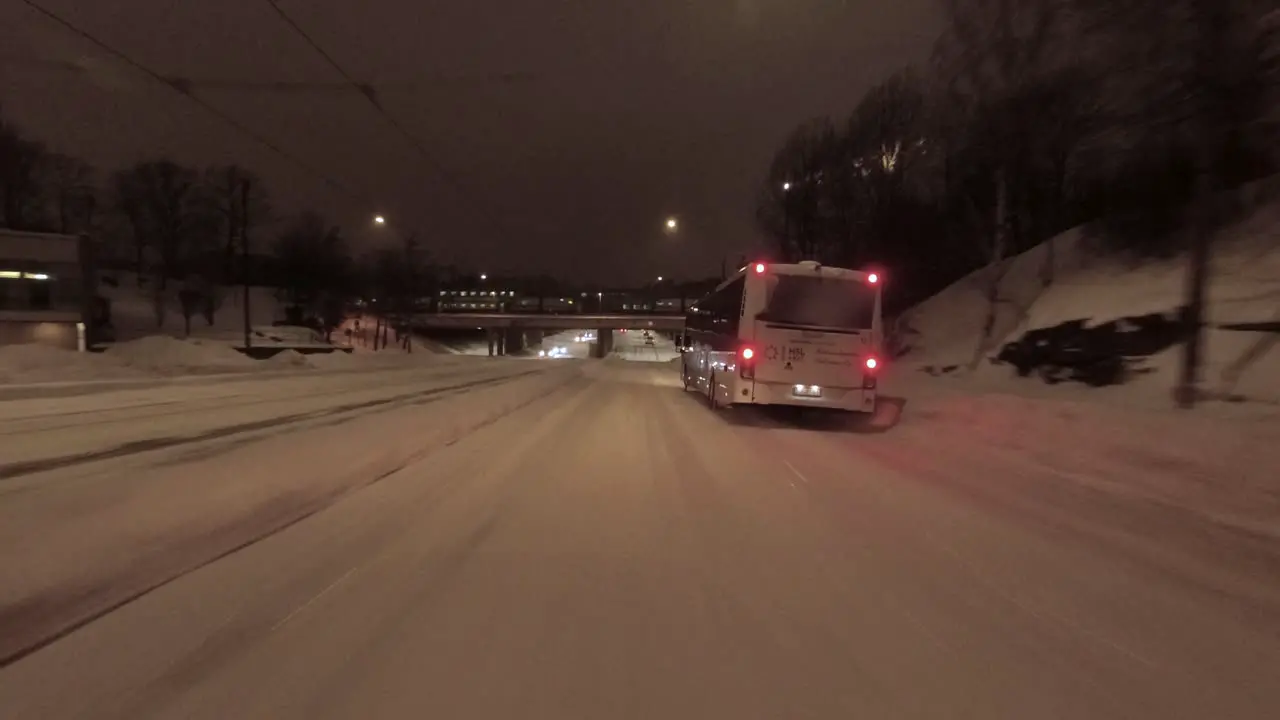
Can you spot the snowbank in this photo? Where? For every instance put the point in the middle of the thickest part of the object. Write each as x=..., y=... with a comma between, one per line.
x=41, y=363
x=289, y=359
x=164, y=355
x=943, y=334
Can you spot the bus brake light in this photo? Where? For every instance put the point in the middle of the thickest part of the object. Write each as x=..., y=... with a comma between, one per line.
x=871, y=363
x=873, y=278
x=748, y=353
x=759, y=268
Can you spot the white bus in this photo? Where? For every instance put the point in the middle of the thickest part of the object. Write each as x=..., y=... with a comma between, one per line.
x=801, y=335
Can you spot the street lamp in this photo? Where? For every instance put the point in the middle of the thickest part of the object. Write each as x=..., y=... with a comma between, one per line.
x=379, y=220
x=659, y=278
x=786, y=186
x=483, y=277
x=671, y=223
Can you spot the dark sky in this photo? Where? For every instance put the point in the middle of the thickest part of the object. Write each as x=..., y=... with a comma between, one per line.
x=633, y=110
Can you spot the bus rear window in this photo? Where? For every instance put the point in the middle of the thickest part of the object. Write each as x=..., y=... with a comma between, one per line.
x=821, y=302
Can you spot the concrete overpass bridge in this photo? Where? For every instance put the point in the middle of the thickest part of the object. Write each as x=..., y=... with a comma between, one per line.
x=513, y=332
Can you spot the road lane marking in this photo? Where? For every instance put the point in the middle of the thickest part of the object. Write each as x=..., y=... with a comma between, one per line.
x=793, y=469
x=312, y=601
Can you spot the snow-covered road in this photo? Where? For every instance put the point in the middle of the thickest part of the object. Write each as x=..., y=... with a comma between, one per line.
x=588, y=541
x=40, y=433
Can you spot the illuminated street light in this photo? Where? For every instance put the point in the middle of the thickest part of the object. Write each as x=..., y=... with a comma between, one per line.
x=379, y=220
x=659, y=278
x=671, y=223
x=786, y=186
x=483, y=276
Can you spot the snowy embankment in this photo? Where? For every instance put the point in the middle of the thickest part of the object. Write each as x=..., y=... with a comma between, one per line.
x=988, y=429
x=78, y=540
x=944, y=334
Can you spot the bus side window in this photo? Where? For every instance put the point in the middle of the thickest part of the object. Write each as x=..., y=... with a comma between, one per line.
x=733, y=297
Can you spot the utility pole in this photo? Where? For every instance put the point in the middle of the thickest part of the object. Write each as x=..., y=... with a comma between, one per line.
x=1213, y=23
x=244, y=260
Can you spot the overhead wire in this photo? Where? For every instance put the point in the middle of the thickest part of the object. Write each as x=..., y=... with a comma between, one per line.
x=178, y=86
x=368, y=91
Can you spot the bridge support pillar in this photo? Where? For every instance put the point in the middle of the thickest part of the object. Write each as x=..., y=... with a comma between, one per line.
x=533, y=338
x=603, y=346
x=512, y=341
x=498, y=342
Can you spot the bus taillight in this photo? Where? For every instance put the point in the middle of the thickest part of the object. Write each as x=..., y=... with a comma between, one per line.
x=869, y=373
x=873, y=278
x=747, y=363
x=759, y=268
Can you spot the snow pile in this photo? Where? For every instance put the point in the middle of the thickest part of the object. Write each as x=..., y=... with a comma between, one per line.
x=41, y=363
x=164, y=355
x=289, y=359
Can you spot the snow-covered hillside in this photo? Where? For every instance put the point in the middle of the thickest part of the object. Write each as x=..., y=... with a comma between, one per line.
x=133, y=309
x=942, y=335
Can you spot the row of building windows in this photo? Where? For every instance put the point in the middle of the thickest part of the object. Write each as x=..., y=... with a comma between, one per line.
x=477, y=293
x=39, y=290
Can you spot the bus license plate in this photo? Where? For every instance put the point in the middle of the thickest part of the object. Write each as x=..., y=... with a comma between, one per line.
x=811, y=391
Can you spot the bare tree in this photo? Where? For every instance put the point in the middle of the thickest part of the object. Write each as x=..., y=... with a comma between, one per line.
x=225, y=190
x=128, y=199
x=1203, y=78
x=990, y=59
x=70, y=188
x=875, y=179
x=21, y=159
x=794, y=205
x=315, y=266
x=170, y=213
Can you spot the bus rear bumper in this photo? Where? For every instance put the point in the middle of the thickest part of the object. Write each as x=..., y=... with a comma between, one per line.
x=859, y=400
